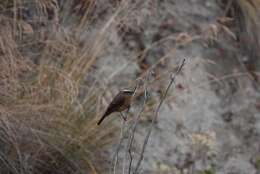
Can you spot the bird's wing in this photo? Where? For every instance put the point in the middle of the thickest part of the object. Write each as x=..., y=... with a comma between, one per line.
x=118, y=101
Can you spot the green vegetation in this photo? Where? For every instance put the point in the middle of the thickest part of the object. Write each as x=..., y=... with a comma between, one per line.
x=208, y=171
x=257, y=163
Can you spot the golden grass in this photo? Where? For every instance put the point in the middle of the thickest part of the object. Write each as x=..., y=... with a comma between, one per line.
x=47, y=113
x=251, y=23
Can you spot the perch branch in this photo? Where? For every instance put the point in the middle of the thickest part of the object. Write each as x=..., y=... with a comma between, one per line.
x=123, y=125
x=115, y=157
x=132, y=134
x=156, y=116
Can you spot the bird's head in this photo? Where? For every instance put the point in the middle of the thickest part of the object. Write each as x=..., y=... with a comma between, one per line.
x=128, y=92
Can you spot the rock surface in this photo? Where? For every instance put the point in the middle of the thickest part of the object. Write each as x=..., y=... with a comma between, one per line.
x=210, y=122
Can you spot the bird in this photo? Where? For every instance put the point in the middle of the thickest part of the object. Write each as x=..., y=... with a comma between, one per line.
x=121, y=102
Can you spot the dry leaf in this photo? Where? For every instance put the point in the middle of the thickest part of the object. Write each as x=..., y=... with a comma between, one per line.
x=229, y=32
x=26, y=28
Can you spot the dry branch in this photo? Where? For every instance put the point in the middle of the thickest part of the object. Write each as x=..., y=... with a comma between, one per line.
x=156, y=116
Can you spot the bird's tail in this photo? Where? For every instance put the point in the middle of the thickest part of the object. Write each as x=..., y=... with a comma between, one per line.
x=100, y=121
x=103, y=117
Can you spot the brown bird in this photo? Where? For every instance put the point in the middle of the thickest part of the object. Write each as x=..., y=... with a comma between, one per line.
x=121, y=102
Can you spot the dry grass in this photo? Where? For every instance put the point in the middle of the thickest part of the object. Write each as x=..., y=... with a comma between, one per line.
x=246, y=13
x=47, y=109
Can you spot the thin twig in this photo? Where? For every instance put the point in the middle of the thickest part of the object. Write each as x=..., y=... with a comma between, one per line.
x=115, y=157
x=125, y=147
x=129, y=128
x=227, y=8
x=132, y=134
x=156, y=116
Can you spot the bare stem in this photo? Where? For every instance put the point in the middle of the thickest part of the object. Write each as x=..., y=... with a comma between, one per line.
x=115, y=157
x=156, y=116
x=132, y=134
x=123, y=125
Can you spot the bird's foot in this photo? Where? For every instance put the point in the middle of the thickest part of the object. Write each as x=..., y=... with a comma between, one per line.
x=124, y=117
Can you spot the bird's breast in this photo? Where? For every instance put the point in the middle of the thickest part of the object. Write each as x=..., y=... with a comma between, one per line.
x=125, y=104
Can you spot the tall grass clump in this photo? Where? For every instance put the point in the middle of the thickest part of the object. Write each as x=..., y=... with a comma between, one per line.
x=249, y=20
x=48, y=107
x=246, y=15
